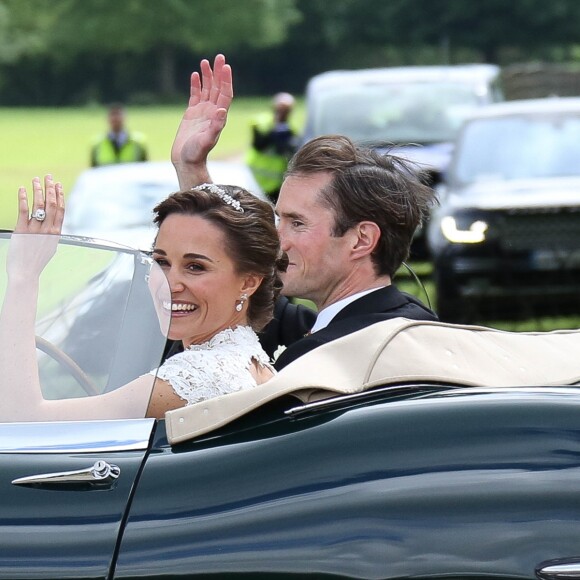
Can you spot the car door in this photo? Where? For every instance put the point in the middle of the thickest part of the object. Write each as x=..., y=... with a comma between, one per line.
x=473, y=486
x=65, y=488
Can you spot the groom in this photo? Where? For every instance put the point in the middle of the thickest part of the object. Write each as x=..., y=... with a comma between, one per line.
x=347, y=216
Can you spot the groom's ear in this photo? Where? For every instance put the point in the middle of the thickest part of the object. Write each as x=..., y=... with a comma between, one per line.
x=366, y=236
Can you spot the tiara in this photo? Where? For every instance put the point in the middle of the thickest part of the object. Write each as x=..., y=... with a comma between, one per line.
x=225, y=197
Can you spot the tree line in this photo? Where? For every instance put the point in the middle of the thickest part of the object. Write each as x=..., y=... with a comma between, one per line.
x=78, y=52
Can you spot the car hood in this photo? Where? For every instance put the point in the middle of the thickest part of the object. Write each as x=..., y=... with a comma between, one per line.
x=528, y=193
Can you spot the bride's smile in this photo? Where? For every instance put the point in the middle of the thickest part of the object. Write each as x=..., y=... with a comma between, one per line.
x=205, y=286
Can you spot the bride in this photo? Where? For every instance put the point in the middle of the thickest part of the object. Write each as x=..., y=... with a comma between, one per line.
x=218, y=248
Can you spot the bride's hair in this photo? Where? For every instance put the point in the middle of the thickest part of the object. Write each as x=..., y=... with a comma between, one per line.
x=248, y=224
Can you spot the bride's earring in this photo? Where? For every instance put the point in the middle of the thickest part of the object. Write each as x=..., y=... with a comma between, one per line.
x=241, y=301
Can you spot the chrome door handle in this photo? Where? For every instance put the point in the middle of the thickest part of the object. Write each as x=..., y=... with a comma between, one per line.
x=562, y=569
x=101, y=474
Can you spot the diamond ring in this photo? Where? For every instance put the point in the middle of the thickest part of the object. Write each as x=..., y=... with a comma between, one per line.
x=39, y=215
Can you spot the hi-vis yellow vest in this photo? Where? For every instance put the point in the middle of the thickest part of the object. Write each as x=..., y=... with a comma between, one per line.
x=268, y=166
x=104, y=153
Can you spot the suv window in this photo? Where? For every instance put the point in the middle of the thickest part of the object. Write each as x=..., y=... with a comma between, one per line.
x=519, y=147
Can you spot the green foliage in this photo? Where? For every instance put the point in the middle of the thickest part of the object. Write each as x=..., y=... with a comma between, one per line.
x=495, y=25
x=24, y=28
x=200, y=25
x=487, y=27
x=98, y=50
x=102, y=42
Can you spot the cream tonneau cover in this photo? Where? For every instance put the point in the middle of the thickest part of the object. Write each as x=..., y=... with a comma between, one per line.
x=396, y=351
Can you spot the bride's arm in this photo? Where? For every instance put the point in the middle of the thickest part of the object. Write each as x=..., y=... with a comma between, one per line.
x=32, y=246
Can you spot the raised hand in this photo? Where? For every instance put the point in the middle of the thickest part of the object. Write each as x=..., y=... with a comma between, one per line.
x=211, y=94
x=29, y=254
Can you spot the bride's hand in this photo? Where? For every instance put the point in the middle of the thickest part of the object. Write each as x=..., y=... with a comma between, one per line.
x=29, y=254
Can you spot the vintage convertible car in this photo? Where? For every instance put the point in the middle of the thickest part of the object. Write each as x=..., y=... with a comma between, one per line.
x=406, y=450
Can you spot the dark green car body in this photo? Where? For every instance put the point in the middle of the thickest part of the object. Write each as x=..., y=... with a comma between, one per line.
x=407, y=481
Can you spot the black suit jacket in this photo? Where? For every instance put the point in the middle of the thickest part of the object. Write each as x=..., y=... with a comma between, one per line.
x=290, y=323
x=382, y=304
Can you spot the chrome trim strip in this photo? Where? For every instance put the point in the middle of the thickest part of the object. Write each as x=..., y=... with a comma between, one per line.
x=439, y=391
x=76, y=436
x=560, y=571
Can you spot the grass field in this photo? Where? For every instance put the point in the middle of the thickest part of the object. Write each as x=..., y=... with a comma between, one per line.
x=39, y=141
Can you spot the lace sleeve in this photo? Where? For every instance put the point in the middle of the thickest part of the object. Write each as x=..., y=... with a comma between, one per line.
x=217, y=367
x=199, y=375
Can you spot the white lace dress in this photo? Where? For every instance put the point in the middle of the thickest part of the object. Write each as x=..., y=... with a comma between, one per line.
x=216, y=367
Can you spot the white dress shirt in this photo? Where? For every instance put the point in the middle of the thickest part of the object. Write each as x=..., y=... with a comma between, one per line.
x=327, y=314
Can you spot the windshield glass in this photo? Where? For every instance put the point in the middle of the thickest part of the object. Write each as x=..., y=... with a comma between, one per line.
x=96, y=327
x=519, y=147
x=397, y=113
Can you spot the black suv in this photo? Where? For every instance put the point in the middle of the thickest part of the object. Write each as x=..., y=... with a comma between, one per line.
x=506, y=238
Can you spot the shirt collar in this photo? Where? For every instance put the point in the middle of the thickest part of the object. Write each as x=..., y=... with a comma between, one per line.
x=327, y=314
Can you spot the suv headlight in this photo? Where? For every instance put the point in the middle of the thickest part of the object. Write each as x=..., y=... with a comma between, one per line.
x=467, y=232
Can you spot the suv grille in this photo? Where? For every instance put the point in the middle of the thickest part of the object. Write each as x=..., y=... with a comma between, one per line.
x=541, y=229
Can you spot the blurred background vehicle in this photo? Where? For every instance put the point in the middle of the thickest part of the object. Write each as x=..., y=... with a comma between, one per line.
x=115, y=202
x=506, y=238
x=419, y=109
x=414, y=112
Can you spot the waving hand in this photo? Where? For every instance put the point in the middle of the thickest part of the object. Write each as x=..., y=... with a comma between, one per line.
x=211, y=94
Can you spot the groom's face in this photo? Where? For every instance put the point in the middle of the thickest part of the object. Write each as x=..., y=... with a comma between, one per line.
x=318, y=260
